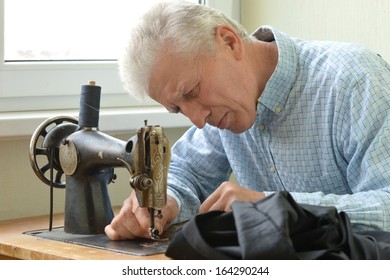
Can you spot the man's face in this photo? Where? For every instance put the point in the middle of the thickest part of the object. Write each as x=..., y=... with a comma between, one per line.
x=214, y=90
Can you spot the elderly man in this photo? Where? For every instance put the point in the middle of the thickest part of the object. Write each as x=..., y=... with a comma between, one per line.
x=282, y=114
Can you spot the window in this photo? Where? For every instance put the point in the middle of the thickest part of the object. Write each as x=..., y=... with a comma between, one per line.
x=44, y=30
x=52, y=47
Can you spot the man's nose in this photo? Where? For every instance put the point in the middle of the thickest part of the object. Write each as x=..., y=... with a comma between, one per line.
x=197, y=115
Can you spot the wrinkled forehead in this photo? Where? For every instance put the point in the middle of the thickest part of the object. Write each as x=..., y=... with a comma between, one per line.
x=170, y=72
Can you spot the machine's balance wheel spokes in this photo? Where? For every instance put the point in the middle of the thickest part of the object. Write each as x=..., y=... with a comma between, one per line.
x=44, y=148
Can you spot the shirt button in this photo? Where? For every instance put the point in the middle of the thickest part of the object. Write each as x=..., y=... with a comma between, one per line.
x=278, y=110
x=262, y=127
x=273, y=169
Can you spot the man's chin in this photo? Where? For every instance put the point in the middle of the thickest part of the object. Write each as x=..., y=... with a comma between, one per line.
x=237, y=130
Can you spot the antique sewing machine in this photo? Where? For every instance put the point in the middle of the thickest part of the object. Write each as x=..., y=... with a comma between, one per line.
x=76, y=149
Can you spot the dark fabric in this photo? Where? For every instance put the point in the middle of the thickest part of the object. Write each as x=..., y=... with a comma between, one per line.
x=276, y=228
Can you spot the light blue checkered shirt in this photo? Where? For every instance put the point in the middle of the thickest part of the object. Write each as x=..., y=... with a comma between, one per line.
x=322, y=133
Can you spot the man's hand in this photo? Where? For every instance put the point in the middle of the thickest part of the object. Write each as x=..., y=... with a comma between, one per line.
x=134, y=221
x=225, y=194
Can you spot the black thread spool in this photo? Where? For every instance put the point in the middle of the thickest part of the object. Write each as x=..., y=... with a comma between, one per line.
x=89, y=105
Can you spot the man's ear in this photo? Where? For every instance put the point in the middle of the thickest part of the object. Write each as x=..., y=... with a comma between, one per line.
x=227, y=38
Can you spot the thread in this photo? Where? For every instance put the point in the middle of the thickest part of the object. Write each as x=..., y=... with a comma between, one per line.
x=89, y=105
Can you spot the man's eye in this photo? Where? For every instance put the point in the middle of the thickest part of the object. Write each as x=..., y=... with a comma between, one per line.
x=192, y=93
x=188, y=95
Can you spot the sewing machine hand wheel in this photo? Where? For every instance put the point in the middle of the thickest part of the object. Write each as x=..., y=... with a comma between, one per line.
x=44, y=148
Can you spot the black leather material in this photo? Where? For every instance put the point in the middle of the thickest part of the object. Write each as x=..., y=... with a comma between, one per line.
x=276, y=228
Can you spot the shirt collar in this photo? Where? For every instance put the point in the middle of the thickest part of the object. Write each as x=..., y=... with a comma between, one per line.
x=277, y=89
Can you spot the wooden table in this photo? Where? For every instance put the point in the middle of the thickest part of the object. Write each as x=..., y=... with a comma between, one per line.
x=16, y=245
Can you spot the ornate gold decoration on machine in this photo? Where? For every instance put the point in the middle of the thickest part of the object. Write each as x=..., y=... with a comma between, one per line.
x=149, y=177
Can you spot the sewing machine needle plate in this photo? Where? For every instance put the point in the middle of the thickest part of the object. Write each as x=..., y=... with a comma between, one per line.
x=139, y=247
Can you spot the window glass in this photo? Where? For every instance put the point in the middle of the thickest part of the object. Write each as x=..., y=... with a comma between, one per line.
x=68, y=29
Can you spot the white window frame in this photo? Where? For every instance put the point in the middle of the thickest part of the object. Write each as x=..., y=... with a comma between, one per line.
x=34, y=91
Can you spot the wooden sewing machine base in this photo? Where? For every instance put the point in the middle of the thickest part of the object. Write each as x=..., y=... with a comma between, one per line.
x=21, y=239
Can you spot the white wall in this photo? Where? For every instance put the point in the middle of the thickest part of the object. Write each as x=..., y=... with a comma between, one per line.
x=362, y=21
x=229, y=7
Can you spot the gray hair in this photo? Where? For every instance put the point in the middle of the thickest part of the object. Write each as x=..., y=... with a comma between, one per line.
x=182, y=28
